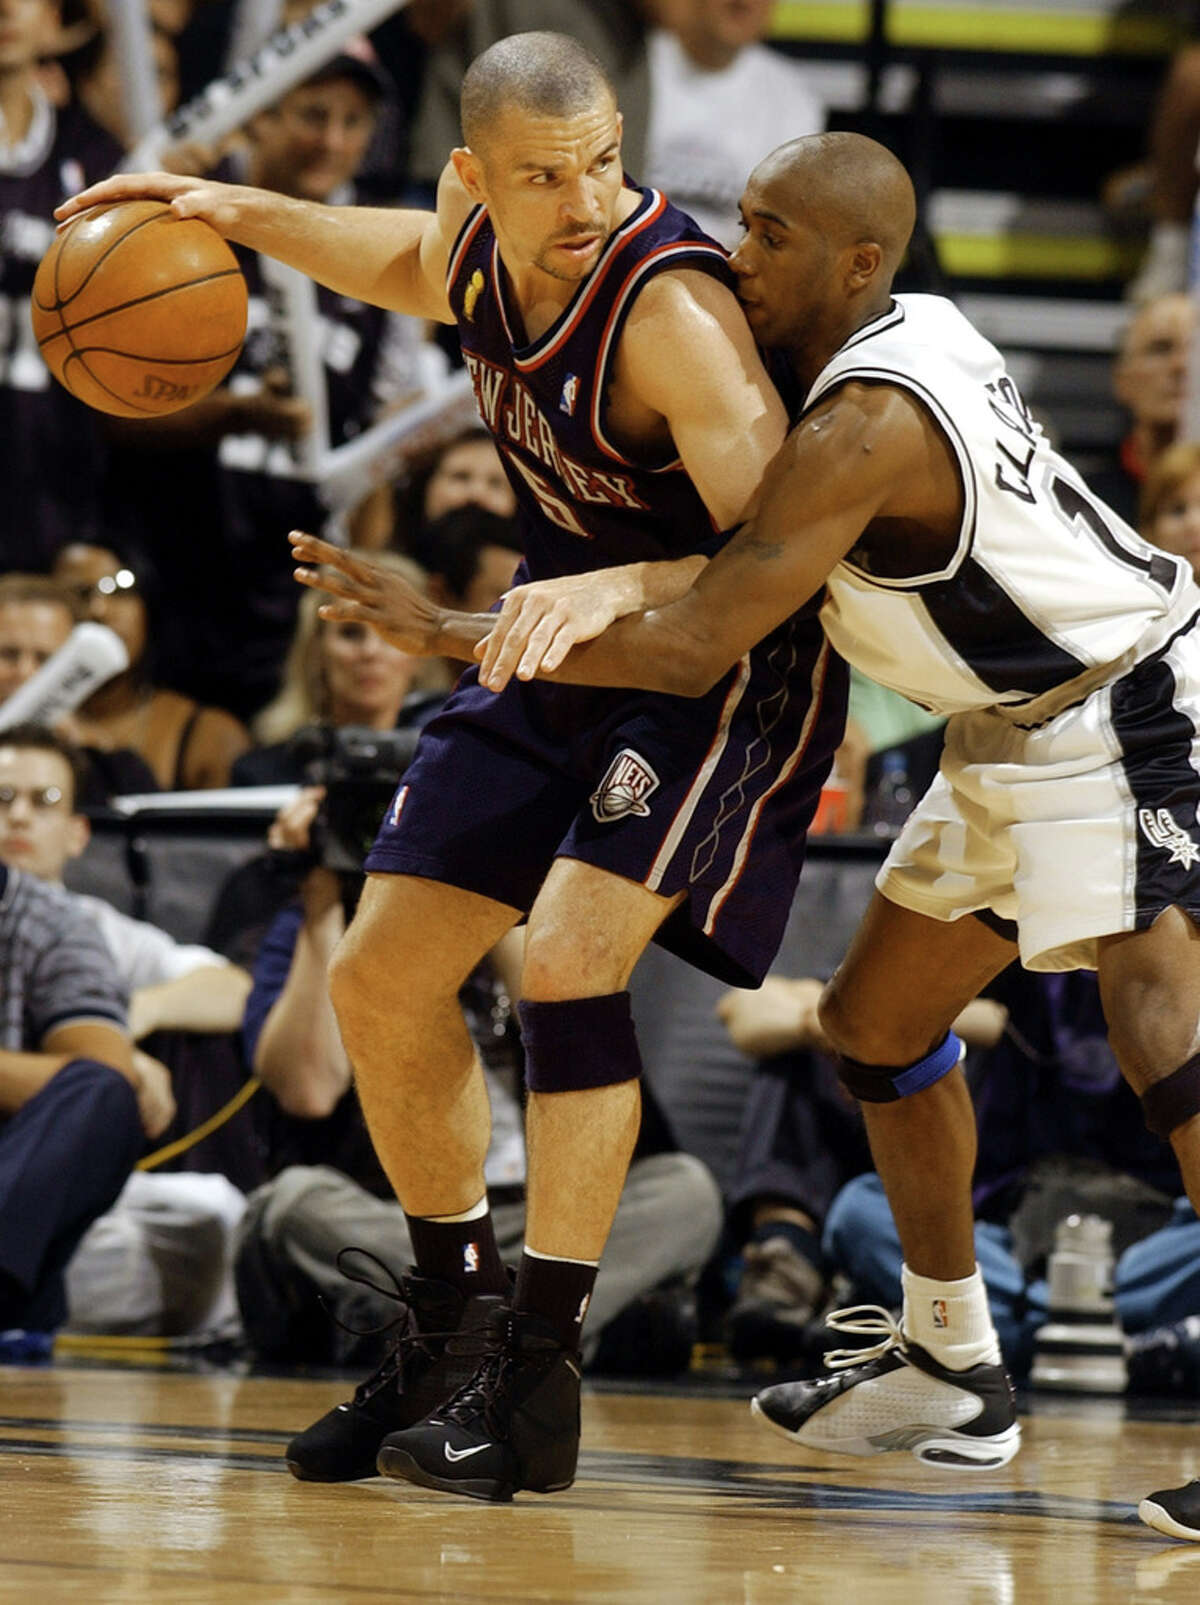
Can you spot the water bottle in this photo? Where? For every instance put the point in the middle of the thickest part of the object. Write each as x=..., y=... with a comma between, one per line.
x=1080, y=1349
x=892, y=800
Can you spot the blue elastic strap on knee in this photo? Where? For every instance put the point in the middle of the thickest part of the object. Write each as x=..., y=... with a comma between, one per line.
x=579, y=1044
x=883, y=1083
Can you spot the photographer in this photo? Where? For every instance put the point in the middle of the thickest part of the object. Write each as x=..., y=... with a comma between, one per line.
x=331, y=1191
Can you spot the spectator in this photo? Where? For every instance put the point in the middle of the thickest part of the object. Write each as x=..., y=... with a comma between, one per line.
x=465, y=470
x=1174, y=141
x=337, y=675
x=231, y=463
x=720, y=100
x=74, y=1110
x=155, y=1260
x=1170, y=510
x=1058, y=1133
x=52, y=449
x=470, y=556
x=666, y=1224
x=188, y=747
x=37, y=615
x=802, y=1140
x=1149, y=379
x=94, y=73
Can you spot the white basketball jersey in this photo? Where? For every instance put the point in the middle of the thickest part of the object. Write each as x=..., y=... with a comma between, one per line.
x=1046, y=582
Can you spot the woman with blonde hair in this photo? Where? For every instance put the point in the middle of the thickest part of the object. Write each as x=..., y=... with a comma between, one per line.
x=1170, y=503
x=336, y=675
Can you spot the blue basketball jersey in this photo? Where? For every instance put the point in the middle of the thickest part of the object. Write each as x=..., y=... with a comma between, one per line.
x=584, y=504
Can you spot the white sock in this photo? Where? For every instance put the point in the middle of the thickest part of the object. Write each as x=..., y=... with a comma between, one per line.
x=950, y=1320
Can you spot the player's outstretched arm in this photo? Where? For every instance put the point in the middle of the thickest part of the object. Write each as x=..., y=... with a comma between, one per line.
x=390, y=258
x=867, y=453
x=365, y=592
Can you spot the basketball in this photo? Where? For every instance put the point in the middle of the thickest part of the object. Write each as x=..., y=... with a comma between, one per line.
x=139, y=312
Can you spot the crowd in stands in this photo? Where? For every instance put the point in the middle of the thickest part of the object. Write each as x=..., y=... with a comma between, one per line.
x=171, y=533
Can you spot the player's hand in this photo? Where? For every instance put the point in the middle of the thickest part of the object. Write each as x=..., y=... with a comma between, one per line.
x=538, y=624
x=365, y=592
x=780, y=1017
x=155, y=1100
x=187, y=197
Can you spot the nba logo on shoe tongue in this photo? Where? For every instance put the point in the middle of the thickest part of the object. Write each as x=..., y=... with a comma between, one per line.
x=624, y=789
x=941, y=1314
x=470, y=1256
x=397, y=807
x=570, y=394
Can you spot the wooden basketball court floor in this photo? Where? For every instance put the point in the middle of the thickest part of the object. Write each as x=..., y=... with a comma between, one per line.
x=139, y=1485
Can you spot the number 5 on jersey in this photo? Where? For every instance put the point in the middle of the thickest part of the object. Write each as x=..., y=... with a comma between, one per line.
x=552, y=504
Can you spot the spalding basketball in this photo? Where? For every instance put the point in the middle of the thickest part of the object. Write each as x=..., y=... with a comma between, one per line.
x=139, y=312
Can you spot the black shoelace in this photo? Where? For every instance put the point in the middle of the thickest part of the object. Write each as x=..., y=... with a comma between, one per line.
x=408, y=1340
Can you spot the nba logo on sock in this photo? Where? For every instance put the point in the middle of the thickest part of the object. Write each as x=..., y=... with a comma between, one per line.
x=470, y=1256
x=941, y=1314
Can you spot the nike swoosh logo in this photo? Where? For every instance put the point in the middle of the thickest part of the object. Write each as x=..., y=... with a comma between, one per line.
x=463, y=1454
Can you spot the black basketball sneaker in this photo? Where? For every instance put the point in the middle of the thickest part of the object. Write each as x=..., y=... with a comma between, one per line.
x=894, y=1395
x=1175, y=1511
x=515, y=1425
x=421, y=1369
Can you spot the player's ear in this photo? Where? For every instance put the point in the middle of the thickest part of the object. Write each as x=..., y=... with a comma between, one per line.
x=865, y=261
x=470, y=173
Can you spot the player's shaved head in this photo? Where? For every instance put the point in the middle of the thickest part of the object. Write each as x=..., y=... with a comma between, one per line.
x=849, y=186
x=544, y=74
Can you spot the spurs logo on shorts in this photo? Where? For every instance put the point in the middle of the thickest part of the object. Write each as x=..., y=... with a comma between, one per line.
x=1161, y=830
x=624, y=789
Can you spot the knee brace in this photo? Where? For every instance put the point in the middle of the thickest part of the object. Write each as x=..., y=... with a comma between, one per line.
x=579, y=1044
x=1176, y=1098
x=884, y=1083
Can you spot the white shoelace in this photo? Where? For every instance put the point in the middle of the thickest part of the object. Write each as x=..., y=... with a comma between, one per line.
x=864, y=1320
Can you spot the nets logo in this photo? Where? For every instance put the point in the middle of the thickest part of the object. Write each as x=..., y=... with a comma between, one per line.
x=624, y=789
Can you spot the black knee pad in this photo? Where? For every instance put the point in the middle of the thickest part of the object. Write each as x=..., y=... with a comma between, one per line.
x=885, y=1083
x=579, y=1044
x=1173, y=1100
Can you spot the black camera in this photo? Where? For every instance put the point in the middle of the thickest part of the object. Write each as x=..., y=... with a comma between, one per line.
x=360, y=769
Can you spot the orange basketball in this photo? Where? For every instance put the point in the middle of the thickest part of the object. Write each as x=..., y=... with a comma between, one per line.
x=139, y=312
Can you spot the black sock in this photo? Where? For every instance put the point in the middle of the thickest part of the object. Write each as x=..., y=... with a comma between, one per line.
x=462, y=1252
x=559, y=1290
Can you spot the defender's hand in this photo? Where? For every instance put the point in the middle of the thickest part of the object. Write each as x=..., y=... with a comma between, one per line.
x=367, y=593
x=538, y=624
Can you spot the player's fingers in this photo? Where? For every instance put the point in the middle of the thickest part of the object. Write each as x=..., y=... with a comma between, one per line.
x=346, y=612
x=497, y=650
x=314, y=552
x=536, y=648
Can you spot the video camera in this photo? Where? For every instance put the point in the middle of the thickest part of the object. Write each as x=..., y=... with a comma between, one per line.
x=360, y=769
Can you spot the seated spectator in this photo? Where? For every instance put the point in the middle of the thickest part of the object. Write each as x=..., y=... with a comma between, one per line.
x=1149, y=379
x=464, y=471
x=93, y=72
x=470, y=556
x=187, y=747
x=158, y=1259
x=1059, y=1133
x=339, y=674
x=802, y=1140
x=74, y=1110
x=720, y=100
x=37, y=615
x=295, y=1226
x=1174, y=136
x=1170, y=510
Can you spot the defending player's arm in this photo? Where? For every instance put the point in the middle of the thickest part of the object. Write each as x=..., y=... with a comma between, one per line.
x=870, y=453
x=384, y=256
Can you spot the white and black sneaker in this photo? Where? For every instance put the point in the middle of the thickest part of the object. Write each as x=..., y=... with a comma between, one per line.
x=894, y=1395
x=1175, y=1511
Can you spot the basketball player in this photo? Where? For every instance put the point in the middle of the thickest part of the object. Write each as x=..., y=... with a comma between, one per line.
x=618, y=375
x=967, y=566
